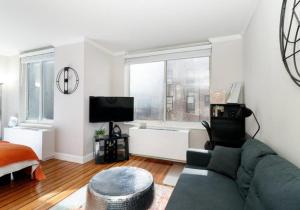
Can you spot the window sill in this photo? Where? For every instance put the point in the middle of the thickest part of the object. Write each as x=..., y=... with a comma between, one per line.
x=36, y=125
x=169, y=125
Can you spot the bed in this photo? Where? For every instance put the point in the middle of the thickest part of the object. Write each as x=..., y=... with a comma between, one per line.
x=14, y=157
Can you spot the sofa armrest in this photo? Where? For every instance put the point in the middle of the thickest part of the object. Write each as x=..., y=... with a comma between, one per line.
x=198, y=157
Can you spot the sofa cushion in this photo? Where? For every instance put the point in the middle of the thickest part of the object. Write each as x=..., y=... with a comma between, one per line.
x=252, y=152
x=225, y=160
x=253, y=202
x=275, y=185
x=205, y=190
x=198, y=157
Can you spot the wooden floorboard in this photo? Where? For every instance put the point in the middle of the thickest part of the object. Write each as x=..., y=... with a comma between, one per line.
x=64, y=178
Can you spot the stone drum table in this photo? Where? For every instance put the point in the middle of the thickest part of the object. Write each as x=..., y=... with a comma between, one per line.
x=117, y=188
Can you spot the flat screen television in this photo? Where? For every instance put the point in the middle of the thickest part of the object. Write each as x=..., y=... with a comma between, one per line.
x=111, y=109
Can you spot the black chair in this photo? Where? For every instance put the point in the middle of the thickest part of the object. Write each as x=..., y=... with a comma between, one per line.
x=209, y=145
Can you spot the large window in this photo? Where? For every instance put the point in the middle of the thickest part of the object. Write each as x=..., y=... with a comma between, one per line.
x=147, y=87
x=38, y=85
x=188, y=89
x=171, y=90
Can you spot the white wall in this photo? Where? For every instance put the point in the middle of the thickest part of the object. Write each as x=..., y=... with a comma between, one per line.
x=97, y=82
x=3, y=67
x=11, y=91
x=118, y=76
x=68, y=109
x=226, y=62
x=9, y=76
x=74, y=133
x=269, y=91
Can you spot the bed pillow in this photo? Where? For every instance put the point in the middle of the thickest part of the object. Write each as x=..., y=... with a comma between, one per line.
x=225, y=160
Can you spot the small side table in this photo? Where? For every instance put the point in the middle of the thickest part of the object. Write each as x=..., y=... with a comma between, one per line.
x=109, y=149
x=121, y=188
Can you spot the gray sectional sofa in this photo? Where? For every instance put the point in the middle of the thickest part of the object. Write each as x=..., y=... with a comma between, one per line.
x=265, y=181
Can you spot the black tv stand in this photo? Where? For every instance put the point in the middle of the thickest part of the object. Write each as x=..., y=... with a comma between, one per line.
x=109, y=150
x=111, y=128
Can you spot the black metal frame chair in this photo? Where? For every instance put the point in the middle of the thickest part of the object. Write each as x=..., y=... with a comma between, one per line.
x=209, y=145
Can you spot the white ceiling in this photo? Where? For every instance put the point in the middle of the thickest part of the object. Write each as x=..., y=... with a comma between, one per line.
x=119, y=25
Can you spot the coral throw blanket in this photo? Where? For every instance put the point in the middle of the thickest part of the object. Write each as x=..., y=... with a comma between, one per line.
x=13, y=153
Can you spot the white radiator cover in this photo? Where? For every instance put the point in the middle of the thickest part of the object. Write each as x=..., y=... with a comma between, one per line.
x=170, y=144
x=41, y=141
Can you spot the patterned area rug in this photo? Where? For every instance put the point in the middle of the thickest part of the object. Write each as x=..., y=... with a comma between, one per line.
x=76, y=201
x=173, y=174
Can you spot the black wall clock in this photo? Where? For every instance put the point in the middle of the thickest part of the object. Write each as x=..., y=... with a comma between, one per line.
x=67, y=80
x=289, y=35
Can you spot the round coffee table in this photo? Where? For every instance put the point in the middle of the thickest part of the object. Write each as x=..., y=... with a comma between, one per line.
x=121, y=188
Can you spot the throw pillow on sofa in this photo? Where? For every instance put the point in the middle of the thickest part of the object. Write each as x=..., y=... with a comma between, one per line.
x=225, y=160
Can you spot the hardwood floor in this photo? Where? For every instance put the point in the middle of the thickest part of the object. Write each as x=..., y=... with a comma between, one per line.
x=64, y=178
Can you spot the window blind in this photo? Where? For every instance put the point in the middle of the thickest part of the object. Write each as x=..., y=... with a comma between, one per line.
x=37, y=56
x=169, y=54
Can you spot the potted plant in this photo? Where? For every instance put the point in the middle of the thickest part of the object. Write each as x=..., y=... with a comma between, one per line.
x=100, y=133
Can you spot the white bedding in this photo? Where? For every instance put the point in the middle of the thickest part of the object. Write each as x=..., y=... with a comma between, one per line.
x=18, y=166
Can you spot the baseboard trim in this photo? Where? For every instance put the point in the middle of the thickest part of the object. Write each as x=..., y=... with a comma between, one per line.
x=159, y=158
x=88, y=157
x=74, y=158
x=49, y=157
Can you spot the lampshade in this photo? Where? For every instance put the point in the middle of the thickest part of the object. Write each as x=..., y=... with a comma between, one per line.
x=247, y=112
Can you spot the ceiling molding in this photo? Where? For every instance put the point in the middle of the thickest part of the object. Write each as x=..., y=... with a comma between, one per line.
x=84, y=40
x=37, y=52
x=187, y=47
x=175, y=49
x=98, y=46
x=69, y=41
x=225, y=38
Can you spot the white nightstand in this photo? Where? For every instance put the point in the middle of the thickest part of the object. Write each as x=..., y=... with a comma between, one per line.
x=40, y=140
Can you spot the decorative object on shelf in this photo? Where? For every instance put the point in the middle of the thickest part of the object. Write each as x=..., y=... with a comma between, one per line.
x=100, y=133
x=67, y=80
x=13, y=122
x=235, y=93
x=117, y=131
x=218, y=97
x=289, y=37
x=142, y=125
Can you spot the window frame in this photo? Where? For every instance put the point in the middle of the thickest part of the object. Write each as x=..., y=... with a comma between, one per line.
x=127, y=86
x=24, y=87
